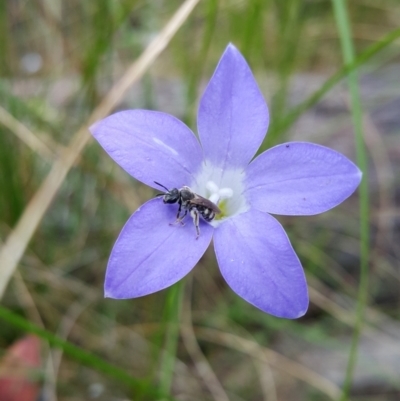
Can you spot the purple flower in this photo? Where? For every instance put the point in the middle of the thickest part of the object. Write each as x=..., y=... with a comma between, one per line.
x=253, y=251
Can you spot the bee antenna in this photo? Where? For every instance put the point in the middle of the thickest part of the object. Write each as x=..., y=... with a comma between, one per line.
x=161, y=185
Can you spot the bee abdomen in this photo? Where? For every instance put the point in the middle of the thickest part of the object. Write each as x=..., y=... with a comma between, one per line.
x=207, y=213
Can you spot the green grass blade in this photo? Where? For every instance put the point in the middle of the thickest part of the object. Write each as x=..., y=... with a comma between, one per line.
x=78, y=354
x=343, y=25
x=197, y=67
x=279, y=126
x=172, y=311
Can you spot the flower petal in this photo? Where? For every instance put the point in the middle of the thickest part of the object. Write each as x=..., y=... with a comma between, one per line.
x=300, y=178
x=260, y=265
x=150, y=254
x=233, y=116
x=150, y=146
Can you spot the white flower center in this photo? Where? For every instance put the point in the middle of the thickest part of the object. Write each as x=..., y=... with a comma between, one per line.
x=216, y=193
x=222, y=187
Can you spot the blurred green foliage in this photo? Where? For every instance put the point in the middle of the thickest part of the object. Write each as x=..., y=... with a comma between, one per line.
x=58, y=59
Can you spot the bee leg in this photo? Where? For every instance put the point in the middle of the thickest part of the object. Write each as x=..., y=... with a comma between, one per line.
x=196, y=220
x=179, y=211
x=178, y=215
x=179, y=219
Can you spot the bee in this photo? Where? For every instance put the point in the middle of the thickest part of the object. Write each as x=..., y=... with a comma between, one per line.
x=190, y=202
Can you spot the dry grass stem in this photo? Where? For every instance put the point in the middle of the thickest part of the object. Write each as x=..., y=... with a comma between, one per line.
x=267, y=381
x=271, y=357
x=203, y=368
x=373, y=317
x=25, y=135
x=18, y=240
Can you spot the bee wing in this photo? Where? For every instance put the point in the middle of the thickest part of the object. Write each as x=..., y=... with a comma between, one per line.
x=199, y=200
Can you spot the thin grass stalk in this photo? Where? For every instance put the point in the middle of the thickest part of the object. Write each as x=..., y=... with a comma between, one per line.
x=173, y=309
x=343, y=26
x=291, y=117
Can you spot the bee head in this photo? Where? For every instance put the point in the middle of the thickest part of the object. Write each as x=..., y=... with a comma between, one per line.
x=170, y=196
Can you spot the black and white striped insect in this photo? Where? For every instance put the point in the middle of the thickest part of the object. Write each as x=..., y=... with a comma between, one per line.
x=191, y=202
